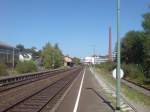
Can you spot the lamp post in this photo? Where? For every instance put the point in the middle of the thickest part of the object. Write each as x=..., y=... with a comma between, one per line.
x=118, y=58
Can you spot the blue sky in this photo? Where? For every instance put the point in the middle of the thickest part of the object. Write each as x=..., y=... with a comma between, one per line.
x=76, y=25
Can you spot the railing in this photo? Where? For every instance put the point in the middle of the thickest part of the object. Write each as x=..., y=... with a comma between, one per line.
x=22, y=77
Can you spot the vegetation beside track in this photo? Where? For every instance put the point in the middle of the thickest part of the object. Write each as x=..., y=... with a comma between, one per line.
x=26, y=67
x=135, y=55
x=130, y=93
x=132, y=72
x=50, y=57
x=3, y=70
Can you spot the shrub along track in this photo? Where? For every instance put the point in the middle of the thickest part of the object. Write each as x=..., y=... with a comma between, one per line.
x=38, y=95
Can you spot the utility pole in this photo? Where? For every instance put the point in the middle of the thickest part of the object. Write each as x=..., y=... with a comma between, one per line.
x=118, y=59
x=7, y=53
x=94, y=57
x=13, y=58
x=53, y=63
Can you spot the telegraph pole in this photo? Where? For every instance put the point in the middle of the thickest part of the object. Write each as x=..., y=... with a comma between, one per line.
x=94, y=57
x=13, y=58
x=118, y=59
x=53, y=63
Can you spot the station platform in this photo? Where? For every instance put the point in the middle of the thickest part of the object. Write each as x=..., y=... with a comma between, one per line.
x=84, y=95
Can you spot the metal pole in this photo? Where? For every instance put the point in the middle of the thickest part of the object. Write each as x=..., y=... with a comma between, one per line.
x=118, y=58
x=13, y=58
x=94, y=57
x=53, y=60
x=7, y=53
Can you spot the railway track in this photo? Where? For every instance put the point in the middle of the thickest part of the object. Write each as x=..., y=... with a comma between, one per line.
x=136, y=87
x=37, y=96
x=16, y=81
x=148, y=89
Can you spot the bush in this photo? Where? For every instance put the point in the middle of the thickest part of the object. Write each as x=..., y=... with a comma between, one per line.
x=108, y=66
x=133, y=72
x=26, y=67
x=3, y=70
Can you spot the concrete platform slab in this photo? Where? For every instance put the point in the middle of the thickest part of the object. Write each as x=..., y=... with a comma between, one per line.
x=92, y=99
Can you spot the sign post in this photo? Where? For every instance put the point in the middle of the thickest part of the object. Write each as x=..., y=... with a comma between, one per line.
x=114, y=73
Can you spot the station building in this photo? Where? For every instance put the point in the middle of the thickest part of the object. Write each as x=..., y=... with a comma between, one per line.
x=68, y=61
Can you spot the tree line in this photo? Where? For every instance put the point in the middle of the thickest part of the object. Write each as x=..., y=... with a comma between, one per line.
x=50, y=56
x=135, y=48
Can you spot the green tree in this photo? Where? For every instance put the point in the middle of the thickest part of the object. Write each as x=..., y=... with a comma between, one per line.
x=146, y=26
x=135, y=47
x=52, y=56
x=58, y=56
x=35, y=53
x=146, y=63
x=20, y=47
x=47, y=53
x=76, y=61
x=132, y=47
x=146, y=22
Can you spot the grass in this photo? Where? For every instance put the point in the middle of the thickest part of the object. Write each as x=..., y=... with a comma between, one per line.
x=136, y=96
x=111, y=98
x=130, y=93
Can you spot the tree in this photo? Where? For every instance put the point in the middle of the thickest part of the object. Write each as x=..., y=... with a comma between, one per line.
x=146, y=26
x=146, y=22
x=76, y=61
x=146, y=57
x=58, y=56
x=35, y=53
x=47, y=55
x=52, y=56
x=135, y=47
x=132, y=47
x=20, y=47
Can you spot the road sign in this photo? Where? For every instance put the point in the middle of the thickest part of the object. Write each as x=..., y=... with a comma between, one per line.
x=121, y=73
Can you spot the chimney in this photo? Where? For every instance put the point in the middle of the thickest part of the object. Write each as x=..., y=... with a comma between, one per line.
x=110, y=45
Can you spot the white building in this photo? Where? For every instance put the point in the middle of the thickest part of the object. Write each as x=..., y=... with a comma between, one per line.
x=95, y=59
x=89, y=60
x=25, y=57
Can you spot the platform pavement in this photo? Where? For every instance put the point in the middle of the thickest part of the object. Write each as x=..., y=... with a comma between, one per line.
x=91, y=99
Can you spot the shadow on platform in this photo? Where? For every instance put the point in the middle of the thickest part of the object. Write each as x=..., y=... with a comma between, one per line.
x=104, y=100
